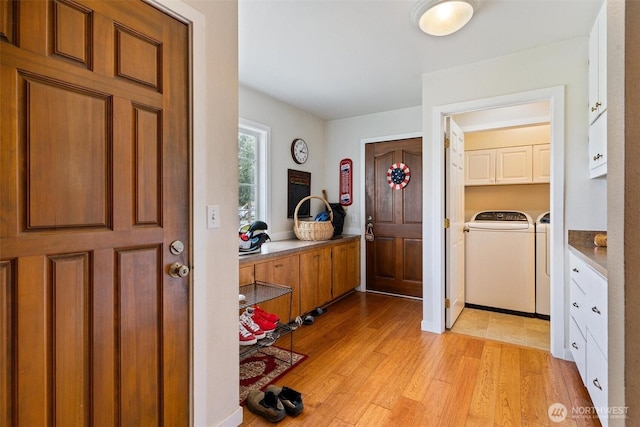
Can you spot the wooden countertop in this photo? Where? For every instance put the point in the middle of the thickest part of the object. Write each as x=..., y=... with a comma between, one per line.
x=581, y=244
x=287, y=247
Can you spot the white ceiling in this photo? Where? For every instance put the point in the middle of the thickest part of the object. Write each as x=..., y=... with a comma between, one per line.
x=345, y=58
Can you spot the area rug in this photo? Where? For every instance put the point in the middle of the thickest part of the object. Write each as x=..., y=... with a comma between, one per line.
x=260, y=369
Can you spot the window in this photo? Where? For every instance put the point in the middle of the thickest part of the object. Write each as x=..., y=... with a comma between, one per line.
x=252, y=172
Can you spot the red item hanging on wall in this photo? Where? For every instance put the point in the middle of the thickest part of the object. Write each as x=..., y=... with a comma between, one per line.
x=346, y=182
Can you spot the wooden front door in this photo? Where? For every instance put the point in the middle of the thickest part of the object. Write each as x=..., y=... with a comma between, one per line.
x=94, y=169
x=394, y=256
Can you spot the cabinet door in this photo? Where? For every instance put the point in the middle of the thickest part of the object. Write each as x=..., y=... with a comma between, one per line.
x=598, y=66
x=593, y=71
x=578, y=348
x=315, y=279
x=345, y=266
x=281, y=271
x=597, y=379
x=541, y=163
x=598, y=147
x=602, y=58
x=246, y=275
x=480, y=167
x=514, y=165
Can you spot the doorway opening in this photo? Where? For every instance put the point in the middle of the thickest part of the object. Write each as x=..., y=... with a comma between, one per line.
x=498, y=162
x=434, y=214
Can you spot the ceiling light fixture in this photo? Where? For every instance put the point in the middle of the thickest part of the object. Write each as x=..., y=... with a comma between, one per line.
x=442, y=17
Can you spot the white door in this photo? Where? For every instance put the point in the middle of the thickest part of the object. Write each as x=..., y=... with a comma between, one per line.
x=455, y=213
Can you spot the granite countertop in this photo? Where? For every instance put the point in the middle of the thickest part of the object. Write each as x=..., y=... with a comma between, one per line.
x=581, y=244
x=284, y=247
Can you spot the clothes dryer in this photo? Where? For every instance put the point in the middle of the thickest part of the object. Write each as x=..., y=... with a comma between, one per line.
x=543, y=265
x=500, y=261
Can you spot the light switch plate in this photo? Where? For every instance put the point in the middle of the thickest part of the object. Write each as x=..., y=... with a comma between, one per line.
x=213, y=216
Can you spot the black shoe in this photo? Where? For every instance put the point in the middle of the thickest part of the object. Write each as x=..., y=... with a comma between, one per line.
x=291, y=399
x=266, y=404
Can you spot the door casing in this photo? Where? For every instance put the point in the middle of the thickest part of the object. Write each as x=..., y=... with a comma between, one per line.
x=433, y=211
x=363, y=142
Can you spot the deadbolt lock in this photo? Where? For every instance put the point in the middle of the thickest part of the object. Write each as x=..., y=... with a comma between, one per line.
x=177, y=247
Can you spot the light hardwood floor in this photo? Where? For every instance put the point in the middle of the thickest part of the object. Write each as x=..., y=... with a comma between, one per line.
x=370, y=365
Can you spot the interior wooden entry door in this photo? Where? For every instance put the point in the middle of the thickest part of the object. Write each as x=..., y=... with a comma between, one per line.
x=394, y=256
x=94, y=186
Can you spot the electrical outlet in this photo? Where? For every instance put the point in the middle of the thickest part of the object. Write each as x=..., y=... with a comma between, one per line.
x=213, y=216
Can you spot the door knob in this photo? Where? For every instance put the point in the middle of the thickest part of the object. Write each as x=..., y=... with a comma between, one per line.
x=177, y=269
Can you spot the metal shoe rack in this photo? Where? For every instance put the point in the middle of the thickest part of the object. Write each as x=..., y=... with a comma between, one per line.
x=259, y=292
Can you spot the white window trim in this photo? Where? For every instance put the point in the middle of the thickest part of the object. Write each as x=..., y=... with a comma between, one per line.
x=264, y=132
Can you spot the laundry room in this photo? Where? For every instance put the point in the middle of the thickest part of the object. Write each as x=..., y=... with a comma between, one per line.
x=507, y=213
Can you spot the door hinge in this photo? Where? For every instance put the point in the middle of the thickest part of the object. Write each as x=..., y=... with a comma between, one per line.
x=447, y=143
x=447, y=303
x=447, y=223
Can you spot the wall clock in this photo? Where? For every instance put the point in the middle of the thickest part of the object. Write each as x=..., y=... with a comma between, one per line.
x=299, y=151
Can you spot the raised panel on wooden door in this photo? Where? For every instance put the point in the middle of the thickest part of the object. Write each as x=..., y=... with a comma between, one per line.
x=96, y=171
x=7, y=343
x=315, y=279
x=281, y=271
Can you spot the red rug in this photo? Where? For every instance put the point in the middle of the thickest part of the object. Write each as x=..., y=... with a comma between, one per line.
x=265, y=367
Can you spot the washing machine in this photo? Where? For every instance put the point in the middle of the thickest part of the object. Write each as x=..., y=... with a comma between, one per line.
x=500, y=261
x=543, y=266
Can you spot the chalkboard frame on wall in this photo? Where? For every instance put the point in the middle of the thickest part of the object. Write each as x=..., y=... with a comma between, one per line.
x=298, y=187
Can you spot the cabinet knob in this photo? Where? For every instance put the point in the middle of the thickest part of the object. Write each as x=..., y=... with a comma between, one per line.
x=597, y=157
x=595, y=107
x=574, y=345
x=597, y=384
x=595, y=310
x=575, y=304
x=575, y=270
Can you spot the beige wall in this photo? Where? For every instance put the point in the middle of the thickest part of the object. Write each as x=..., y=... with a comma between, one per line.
x=530, y=198
x=509, y=137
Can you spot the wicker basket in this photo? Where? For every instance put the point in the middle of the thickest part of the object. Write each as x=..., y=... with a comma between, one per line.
x=313, y=230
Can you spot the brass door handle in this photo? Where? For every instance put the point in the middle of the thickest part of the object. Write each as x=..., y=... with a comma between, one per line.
x=178, y=270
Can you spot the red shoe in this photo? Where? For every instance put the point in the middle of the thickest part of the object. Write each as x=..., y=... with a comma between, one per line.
x=246, y=337
x=251, y=326
x=264, y=324
x=273, y=318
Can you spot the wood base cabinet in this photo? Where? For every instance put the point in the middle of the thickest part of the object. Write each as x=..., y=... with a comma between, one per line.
x=282, y=271
x=345, y=267
x=315, y=279
x=317, y=272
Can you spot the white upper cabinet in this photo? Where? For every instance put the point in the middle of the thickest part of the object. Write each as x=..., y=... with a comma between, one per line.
x=480, y=167
x=598, y=66
x=541, y=163
x=598, y=95
x=524, y=164
x=598, y=147
x=514, y=165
